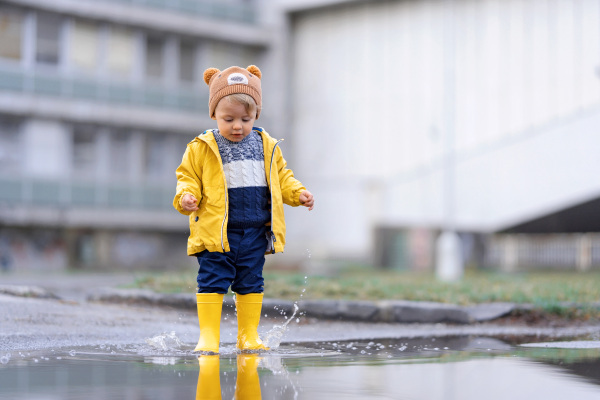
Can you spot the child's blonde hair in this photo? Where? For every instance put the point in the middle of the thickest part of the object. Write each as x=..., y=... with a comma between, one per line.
x=244, y=99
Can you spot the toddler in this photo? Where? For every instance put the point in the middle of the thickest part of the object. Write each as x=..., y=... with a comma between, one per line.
x=233, y=182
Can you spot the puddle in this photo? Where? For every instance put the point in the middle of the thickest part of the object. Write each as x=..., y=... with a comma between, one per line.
x=428, y=368
x=587, y=344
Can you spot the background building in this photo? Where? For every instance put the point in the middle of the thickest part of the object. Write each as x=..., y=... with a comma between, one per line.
x=403, y=117
x=481, y=115
x=98, y=100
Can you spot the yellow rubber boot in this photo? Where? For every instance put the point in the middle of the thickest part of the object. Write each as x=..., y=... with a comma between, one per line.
x=209, y=378
x=209, y=317
x=247, y=386
x=248, y=308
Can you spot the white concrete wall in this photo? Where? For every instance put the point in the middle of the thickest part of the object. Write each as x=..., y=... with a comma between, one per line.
x=546, y=170
x=379, y=85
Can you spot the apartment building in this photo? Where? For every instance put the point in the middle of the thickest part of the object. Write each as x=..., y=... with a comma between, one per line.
x=420, y=115
x=98, y=99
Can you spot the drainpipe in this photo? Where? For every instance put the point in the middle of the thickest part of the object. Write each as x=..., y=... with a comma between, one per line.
x=449, y=261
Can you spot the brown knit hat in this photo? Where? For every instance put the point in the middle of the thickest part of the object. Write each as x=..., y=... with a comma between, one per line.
x=230, y=81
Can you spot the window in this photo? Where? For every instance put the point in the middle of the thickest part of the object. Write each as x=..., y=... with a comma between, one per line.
x=84, y=151
x=11, y=27
x=120, y=154
x=179, y=145
x=85, y=45
x=48, y=39
x=232, y=54
x=187, y=55
x=11, y=149
x=156, y=162
x=154, y=56
x=121, y=49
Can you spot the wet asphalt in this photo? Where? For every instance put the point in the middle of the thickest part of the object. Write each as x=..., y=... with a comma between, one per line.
x=65, y=311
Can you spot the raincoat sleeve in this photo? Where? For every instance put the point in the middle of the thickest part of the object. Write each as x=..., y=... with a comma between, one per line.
x=290, y=186
x=189, y=179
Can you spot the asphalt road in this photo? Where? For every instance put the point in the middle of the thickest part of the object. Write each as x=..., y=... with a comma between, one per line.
x=49, y=324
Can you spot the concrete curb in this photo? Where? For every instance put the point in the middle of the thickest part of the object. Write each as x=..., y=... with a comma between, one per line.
x=392, y=311
x=27, y=291
x=366, y=311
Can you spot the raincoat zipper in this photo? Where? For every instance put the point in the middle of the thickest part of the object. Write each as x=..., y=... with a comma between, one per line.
x=271, y=190
x=226, y=208
x=226, y=198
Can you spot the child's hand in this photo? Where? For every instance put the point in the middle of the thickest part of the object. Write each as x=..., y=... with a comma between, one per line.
x=307, y=199
x=189, y=202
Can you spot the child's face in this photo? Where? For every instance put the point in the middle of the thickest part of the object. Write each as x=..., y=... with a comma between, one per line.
x=233, y=121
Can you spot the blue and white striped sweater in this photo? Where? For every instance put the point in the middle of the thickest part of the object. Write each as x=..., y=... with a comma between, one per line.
x=244, y=167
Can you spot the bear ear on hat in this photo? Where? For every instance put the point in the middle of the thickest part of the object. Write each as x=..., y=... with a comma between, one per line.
x=209, y=73
x=254, y=70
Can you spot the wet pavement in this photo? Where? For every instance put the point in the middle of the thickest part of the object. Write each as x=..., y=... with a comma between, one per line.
x=444, y=368
x=72, y=348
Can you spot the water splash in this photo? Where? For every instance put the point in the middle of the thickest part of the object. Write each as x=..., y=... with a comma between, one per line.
x=5, y=358
x=165, y=341
x=273, y=338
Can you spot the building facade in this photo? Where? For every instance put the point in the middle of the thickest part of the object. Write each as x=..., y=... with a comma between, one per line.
x=418, y=115
x=98, y=100
x=476, y=115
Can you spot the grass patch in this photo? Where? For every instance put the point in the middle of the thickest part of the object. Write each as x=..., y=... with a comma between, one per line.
x=546, y=289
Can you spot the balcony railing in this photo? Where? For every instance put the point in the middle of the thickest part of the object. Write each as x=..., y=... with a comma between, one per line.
x=67, y=193
x=516, y=252
x=224, y=10
x=55, y=84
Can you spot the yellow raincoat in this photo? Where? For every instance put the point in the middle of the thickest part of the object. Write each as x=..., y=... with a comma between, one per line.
x=201, y=174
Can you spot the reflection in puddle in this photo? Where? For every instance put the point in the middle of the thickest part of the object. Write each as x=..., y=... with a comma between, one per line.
x=428, y=368
x=209, y=381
